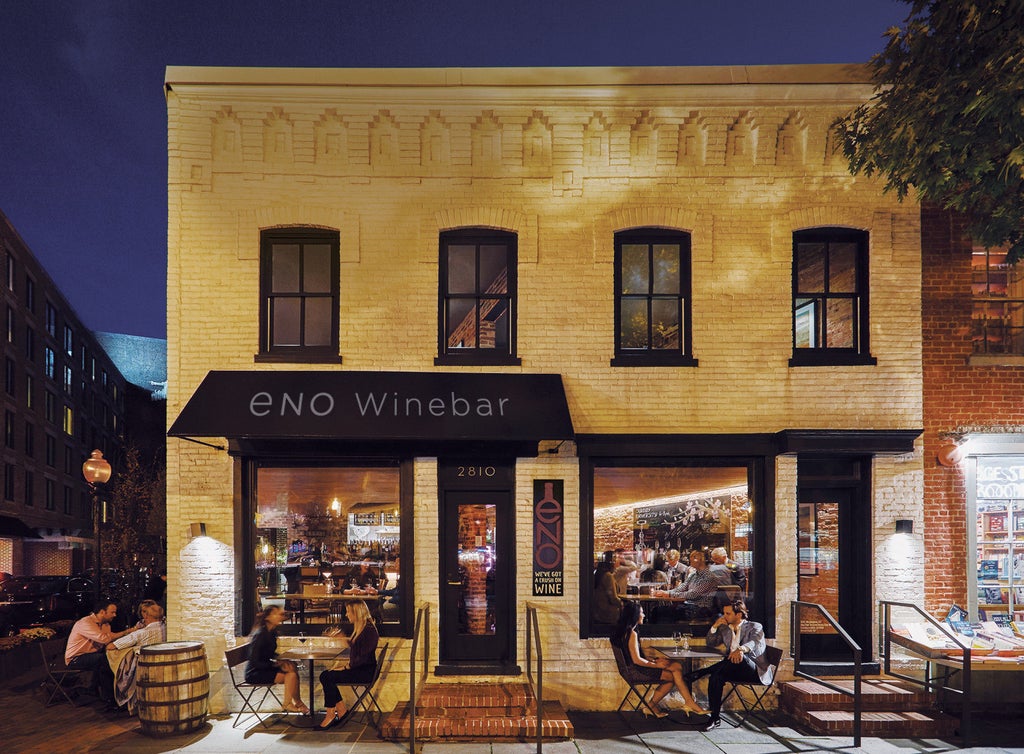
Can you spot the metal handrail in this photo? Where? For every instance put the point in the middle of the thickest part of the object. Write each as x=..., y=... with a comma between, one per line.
x=422, y=621
x=964, y=664
x=537, y=686
x=794, y=651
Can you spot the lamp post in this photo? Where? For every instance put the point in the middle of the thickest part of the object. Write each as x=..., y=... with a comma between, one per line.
x=96, y=470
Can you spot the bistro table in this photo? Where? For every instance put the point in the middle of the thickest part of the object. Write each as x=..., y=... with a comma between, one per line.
x=687, y=655
x=311, y=655
x=373, y=601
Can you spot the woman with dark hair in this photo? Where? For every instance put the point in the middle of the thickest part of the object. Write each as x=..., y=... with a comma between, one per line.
x=359, y=668
x=669, y=673
x=605, y=604
x=263, y=665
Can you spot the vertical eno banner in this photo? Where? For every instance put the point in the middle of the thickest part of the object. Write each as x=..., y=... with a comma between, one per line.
x=547, y=538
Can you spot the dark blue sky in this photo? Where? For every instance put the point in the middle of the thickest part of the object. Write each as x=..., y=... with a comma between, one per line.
x=83, y=132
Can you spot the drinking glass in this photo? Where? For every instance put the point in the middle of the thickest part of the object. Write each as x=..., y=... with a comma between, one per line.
x=686, y=641
x=302, y=637
x=677, y=639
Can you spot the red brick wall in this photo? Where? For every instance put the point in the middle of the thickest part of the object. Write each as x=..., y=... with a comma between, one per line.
x=957, y=397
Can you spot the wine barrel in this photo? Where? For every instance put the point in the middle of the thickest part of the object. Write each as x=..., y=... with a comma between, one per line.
x=173, y=686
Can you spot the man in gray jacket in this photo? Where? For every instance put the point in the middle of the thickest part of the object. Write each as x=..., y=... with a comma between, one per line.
x=742, y=643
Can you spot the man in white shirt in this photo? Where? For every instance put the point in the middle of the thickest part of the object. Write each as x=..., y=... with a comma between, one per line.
x=742, y=642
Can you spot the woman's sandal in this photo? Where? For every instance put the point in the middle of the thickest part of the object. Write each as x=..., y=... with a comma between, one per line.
x=299, y=709
x=698, y=710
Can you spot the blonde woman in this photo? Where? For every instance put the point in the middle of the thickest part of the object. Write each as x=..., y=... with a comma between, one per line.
x=359, y=668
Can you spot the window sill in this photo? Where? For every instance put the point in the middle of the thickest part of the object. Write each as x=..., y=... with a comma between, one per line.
x=477, y=360
x=653, y=360
x=296, y=358
x=825, y=358
x=996, y=360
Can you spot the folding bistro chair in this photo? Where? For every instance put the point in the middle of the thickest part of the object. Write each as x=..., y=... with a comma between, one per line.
x=239, y=656
x=365, y=699
x=639, y=685
x=59, y=677
x=759, y=690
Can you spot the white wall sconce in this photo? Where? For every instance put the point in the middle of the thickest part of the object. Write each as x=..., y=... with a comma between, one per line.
x=197, y=530
x=950, y=453
x=904, y=526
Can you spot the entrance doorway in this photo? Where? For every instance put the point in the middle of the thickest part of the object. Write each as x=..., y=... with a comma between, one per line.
x=834, y=554
x=477, y=623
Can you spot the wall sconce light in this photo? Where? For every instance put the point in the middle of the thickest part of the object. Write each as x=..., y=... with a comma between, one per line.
x=904, y=526
x=197, y=530
x=949, y=453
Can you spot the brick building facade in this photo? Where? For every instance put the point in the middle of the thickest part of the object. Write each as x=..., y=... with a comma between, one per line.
x=770, y=372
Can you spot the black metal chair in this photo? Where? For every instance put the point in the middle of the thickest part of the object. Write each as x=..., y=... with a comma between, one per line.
x=759, y=690
x=239, y=656
x=60, y=679
x=365, y=699
x=640, y=685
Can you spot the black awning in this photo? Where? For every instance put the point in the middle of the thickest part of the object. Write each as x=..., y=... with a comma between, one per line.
x=332, y=405
x=11, y=527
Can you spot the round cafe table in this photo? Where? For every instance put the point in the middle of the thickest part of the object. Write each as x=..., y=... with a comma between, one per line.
x=311, y=655
x=687, y=655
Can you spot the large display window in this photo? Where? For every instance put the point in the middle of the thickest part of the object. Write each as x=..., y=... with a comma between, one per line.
x=999, y=532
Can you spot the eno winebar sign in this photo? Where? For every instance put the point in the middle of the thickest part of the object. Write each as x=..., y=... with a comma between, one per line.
x=376, y=405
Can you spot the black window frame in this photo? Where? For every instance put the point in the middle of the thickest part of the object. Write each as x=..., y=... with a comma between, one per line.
x=649, y=357
x=300, y=353
x=860, y=353
x=477, y=356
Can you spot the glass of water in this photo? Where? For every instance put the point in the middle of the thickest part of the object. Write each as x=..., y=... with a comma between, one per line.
x=677, y=639
x=686, y=641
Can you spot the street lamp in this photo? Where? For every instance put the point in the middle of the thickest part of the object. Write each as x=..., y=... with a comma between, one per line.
x=96, y=471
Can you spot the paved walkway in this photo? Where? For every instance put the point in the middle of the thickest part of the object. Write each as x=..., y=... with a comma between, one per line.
x=26, y=726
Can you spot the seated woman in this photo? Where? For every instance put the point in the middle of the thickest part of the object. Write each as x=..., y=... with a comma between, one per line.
x=263, y=665
x=656, y=573
x=359, y=668
x=670, y=673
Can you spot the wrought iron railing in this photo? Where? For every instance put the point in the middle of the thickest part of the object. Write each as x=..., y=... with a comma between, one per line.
x=422, y=630
x=940, y=687
x=795, y=622
x=536, y=683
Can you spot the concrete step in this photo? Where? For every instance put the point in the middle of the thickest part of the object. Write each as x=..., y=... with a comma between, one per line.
x=477, y=712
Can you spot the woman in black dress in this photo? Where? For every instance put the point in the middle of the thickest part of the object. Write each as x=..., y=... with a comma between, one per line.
x=661, y=669
x=263, y=665
x=359, y=668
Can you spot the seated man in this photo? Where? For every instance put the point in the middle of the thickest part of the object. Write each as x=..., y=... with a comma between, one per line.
x=742, y=642
x=698, y=592
x=123, y=653
x=87, y=644
x=727, y=571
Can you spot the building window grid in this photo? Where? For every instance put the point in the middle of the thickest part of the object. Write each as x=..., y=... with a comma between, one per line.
x=997, y=291
x=478, y=301
x=830, y=297
x=652, y=298
x=300, y=294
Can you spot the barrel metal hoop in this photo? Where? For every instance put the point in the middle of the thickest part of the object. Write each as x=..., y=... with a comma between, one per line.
x=180, y=682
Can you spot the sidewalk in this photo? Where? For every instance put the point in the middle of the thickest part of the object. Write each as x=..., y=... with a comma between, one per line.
x=26, y=726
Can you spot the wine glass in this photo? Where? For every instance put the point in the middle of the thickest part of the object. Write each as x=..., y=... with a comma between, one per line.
x=302, y=637
x=677, y=639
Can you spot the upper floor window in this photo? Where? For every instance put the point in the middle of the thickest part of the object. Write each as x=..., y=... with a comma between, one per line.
x=11, y=323
x=10, y=272
x=51, y=319
x=69, y=341
x=477, y=297
x=50, y=362
x=830, y=298
x=997, y=289
x=30, y=295
x=652, y=298
x=299, y=291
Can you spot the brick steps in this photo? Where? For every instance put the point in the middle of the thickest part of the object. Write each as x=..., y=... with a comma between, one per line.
x=477, y=712
x=890, y=708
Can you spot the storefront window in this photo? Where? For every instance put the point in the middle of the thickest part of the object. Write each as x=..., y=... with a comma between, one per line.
x=647, y=523
x=1000, y=537
x=325, y=536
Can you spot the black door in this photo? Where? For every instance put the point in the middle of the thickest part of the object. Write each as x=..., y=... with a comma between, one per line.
x=477, y=625
x=834, y=570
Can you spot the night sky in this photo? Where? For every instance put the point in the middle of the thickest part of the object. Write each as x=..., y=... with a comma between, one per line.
x=83, y=135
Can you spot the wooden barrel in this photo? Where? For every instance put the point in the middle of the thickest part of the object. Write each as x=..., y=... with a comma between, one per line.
x=173, y=686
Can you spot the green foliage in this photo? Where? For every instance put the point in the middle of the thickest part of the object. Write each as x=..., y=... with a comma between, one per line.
x=947, y=118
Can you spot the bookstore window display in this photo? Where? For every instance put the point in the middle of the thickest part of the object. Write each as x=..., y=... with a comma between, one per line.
x=1000, y=536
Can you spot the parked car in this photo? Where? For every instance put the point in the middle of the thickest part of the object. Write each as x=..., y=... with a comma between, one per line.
x=27, y=601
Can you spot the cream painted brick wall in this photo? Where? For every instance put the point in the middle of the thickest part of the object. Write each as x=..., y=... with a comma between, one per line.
x=592, y=178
